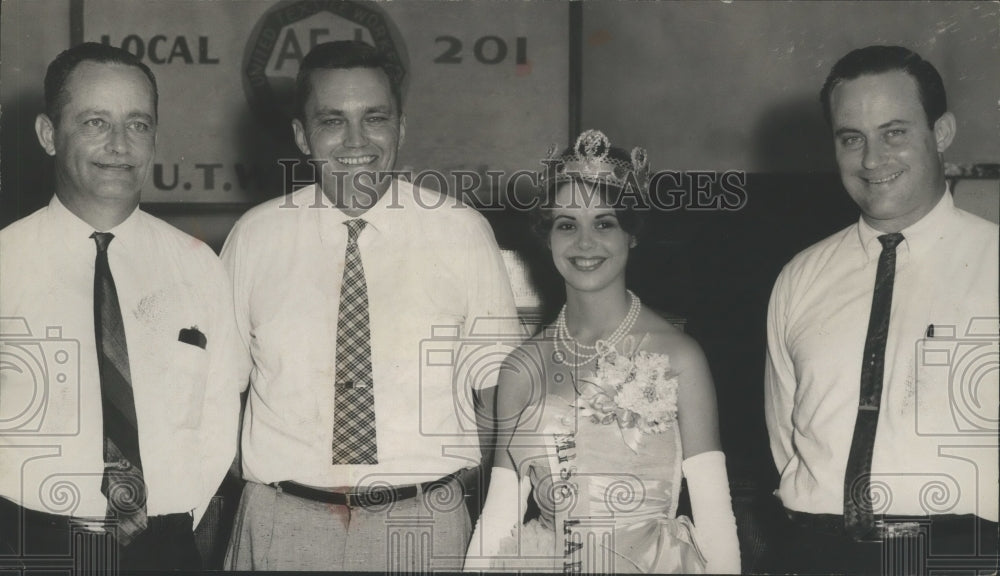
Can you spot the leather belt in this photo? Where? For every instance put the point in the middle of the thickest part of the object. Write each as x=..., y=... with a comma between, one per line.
x=13, y=512
x=369, y=498
x=885, y=528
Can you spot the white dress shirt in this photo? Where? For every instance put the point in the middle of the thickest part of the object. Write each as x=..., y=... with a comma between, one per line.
x=442, y=318
x=186, y=398
x=936, y=443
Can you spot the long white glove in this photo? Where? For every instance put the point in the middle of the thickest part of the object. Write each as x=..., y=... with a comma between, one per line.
x=501, y=513
x=711, y=504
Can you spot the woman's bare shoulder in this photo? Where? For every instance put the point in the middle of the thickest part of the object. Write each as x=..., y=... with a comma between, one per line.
x=533, y=350
x=522, y=374
x=663, y=337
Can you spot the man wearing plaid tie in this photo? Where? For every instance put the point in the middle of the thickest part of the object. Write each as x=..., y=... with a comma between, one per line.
x=356, y=448
x=881, y=381
x=122, y=370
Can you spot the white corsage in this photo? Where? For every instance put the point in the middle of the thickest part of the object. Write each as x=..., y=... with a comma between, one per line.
x=638, y=391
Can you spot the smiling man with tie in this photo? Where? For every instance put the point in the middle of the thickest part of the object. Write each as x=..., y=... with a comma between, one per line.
x=111, y=453
x=351, y=450
x=883, y=425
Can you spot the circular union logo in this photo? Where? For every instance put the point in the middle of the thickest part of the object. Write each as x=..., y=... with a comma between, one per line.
x=286, y=33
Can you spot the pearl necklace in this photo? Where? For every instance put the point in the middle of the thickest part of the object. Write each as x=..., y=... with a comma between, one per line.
x=601, y=347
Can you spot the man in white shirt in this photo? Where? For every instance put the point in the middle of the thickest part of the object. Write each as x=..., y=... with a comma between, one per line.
x=373, y=309
x=119, y=391
x=888, y=326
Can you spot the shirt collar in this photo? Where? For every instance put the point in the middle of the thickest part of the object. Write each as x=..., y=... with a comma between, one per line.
x=75, y=231
x=385, y=214
x=918, y=237
x=923, y=234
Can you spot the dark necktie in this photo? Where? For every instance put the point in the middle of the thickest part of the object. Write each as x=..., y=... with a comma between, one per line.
x=354, y=404
x=858, y=515
x=123, y=483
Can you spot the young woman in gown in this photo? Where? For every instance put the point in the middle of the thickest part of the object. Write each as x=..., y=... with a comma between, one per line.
x=602, y=412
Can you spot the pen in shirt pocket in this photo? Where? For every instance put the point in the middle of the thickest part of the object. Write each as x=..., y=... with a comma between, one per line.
x=930, y=331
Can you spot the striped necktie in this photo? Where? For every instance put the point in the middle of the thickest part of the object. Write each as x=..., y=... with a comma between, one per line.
x=123, y=482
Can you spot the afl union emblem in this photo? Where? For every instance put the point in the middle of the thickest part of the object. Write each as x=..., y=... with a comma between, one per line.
x=289, y=30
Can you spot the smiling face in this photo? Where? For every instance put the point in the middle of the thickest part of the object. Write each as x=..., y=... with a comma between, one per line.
x=589, y=246
x=105, y=139
x=889, y=157
x=352, y=124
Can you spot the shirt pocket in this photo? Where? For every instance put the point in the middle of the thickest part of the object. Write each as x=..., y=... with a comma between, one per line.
x=956, y=391
x=185, y=380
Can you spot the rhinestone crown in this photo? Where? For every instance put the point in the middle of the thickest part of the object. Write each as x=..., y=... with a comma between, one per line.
x=590, y=161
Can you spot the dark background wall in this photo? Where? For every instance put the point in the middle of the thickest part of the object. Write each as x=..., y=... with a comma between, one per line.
x=733, y=85
x=721, y=86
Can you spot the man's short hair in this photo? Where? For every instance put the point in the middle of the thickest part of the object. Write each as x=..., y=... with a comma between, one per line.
x=879, y=59
x=59, y=70
x=343, y=55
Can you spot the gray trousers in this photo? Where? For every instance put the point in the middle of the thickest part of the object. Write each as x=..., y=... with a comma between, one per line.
x=278, y=531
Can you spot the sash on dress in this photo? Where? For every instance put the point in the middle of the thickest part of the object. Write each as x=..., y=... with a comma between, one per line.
x=604, y=526
x=604, y=517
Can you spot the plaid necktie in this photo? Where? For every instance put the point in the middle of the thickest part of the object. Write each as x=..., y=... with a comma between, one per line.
x=858, y=515
x=123, y=483
x=354, y=404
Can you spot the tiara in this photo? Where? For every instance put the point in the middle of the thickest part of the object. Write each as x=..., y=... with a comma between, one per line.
x=590, y=161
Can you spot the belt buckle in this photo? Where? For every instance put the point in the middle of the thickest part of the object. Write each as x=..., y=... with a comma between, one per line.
x=890, y=529
x=89, y=525
x=355, y=499
x=370, y=498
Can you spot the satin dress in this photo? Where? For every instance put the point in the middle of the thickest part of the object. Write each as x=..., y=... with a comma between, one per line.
x=607, y=494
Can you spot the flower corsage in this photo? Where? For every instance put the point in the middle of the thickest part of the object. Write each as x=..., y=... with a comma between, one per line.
x=638, y=391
